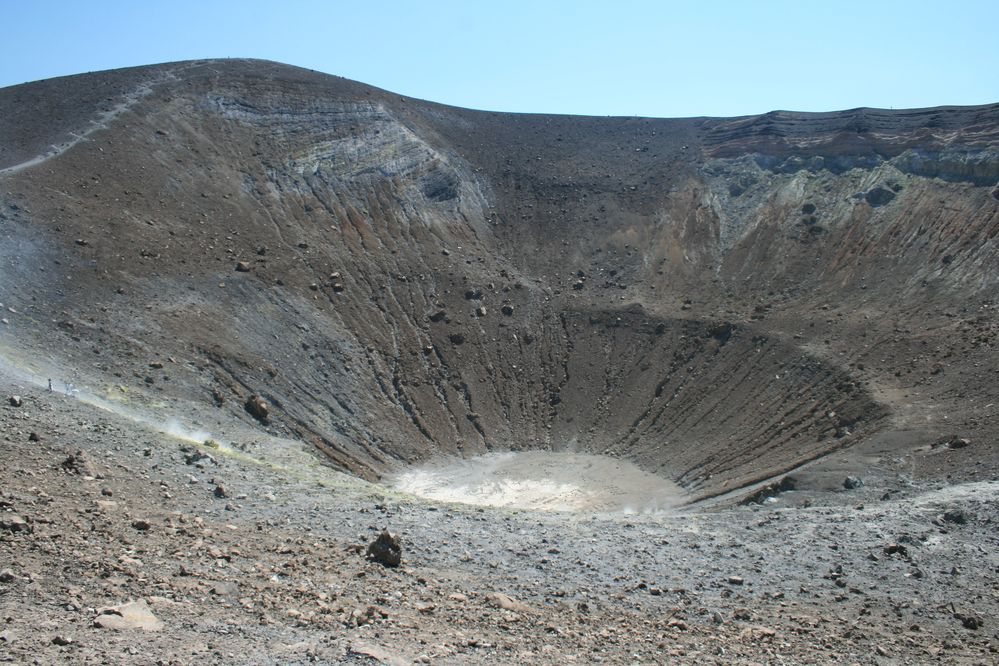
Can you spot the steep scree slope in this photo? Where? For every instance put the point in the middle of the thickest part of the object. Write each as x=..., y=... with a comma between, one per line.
x=717, y=300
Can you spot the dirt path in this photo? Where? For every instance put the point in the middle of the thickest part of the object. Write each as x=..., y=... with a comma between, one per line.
x=100, y=122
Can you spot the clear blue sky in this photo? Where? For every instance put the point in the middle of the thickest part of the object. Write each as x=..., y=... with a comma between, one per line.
x=645, y=58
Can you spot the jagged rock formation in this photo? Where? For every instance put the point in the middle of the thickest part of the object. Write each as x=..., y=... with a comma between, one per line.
x=718, y=300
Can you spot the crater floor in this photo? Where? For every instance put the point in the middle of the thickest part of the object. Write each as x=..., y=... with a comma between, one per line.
x=544, y=481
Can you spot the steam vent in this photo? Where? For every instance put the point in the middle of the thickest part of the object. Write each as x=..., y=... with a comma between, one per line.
x=472, y=315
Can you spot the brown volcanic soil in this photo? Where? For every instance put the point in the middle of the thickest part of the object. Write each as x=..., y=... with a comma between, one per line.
x=718, y=301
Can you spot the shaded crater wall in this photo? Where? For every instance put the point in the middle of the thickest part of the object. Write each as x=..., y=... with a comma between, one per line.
x=710, y=405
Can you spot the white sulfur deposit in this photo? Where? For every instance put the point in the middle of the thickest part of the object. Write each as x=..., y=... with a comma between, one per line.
x=542, y=480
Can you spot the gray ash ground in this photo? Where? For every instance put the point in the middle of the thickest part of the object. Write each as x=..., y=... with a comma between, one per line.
x=252, y=561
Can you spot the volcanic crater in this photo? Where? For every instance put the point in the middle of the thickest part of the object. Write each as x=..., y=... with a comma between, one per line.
x=716, y=301
x=277, y=295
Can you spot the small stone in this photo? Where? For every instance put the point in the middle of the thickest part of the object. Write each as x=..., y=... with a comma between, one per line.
x=257, y=407
x=507, y=310
x=34, y=437
x=386, y=549
x=15, y=523
x=77, y=463
x=956, y=516
x=14, y=400
x=506, y=602
x=956, y=442
x=220, y=491
x=7, y=576
x=972, y=622
x=132, y=615
x=142, y=525
x=852, y=483
x=243, y=266
x=199, y=458
x=735, y=580
x=62, y=640
x=758, y=633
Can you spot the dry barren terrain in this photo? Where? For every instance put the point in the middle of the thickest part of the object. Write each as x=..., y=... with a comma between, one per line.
x=252, y=315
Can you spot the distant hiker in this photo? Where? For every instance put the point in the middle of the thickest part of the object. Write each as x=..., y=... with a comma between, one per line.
x=50, y=385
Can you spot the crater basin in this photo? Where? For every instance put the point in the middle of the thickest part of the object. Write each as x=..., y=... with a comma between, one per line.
x=542, y=480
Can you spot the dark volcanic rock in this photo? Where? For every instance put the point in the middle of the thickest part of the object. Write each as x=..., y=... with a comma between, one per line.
x=257, y=407
x=386, y=549
x=786, y=484
x=14, y=523
x=852, y=483
x=957, y=516
x=78, y=463
x=879, y=196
